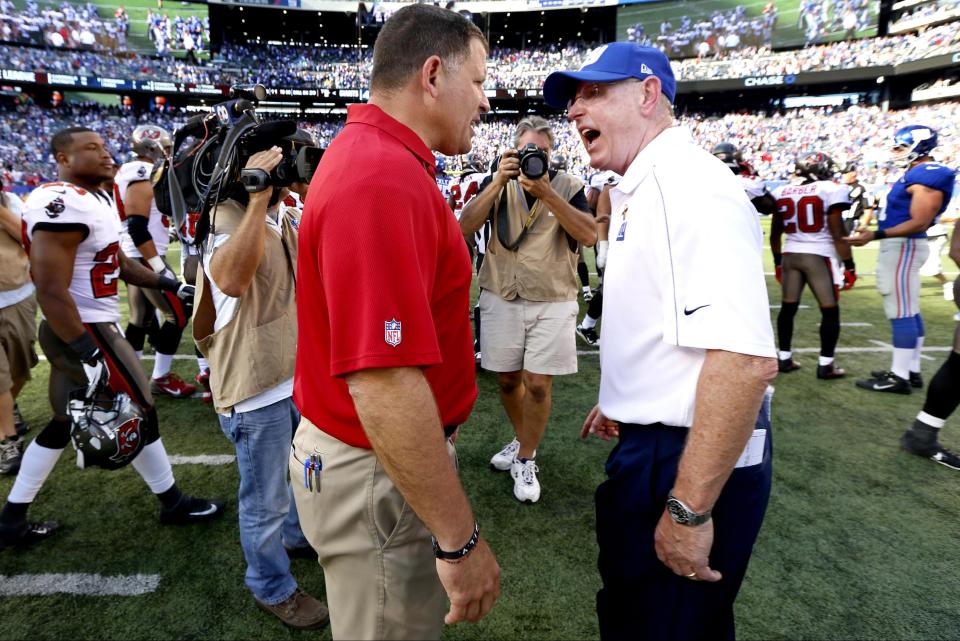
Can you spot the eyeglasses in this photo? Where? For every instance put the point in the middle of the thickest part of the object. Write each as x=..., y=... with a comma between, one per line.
x=592, y=91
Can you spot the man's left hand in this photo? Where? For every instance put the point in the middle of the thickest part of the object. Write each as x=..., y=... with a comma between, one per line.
x=539, y=188
x=860, y=238
x=685, y=549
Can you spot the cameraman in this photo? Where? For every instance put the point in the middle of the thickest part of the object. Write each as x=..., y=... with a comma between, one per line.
x=528, y=282
x=245, y=324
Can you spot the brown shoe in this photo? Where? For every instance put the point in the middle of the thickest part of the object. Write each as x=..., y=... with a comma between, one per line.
x=301, y=611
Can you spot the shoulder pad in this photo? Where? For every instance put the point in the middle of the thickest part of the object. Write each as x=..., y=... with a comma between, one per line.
x=60, y=198
x=134, y=171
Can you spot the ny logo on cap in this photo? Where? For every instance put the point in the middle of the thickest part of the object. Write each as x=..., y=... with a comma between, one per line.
x=592, y=57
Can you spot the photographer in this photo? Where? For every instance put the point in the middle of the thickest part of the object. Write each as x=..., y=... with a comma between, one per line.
x=528, y=282
x=245, y=324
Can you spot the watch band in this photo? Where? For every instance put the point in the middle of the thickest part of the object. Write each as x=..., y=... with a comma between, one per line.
x=457, y=555
x=683, y=515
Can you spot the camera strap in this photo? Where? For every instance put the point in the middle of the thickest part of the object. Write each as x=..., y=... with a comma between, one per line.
x=503, y=220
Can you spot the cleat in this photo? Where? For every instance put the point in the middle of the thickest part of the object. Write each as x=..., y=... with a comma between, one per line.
x=191, y=510
x=935, y=452
x=916, y=380
x=503, y=459
x=787, y=365
x=526, y=487
x=172, y=385
x=589, y=335
x=203, y=380
x=888, y=383
x=11, y=454
x=301, y=611
x=828, y=372
x=26, y=534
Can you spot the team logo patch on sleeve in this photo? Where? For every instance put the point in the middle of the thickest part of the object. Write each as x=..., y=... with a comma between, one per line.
x=392, y=333
x=55, y=207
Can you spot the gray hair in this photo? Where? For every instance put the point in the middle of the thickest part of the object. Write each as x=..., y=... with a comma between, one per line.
x=533, y=123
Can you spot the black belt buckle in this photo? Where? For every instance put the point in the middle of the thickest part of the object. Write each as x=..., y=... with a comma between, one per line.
x=449, y=430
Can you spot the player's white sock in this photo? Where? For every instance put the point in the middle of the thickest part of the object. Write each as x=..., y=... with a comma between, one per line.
x=202, y=364
x=825, y=360
x=161, y=366
x=902, y=357
x=930, y=420
x=915, y=361
x=588, y=322
x=153, y=465
x=38, y=462
x=785, y=356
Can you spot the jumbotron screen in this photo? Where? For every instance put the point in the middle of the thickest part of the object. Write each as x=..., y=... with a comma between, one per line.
x=136, y=25
x=705, y=28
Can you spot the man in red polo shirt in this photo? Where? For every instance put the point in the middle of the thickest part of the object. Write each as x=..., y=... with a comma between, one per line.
x=385, y=368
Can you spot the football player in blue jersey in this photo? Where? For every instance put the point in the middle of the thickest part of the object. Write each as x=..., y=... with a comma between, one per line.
x=914, y=203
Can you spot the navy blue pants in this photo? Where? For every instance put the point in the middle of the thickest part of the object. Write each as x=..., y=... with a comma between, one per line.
x=641, y=597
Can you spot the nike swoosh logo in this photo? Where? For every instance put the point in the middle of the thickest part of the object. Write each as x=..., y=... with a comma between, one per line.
x=883, y=386
x=687, y=312
x=59, y=191
x=209, y=510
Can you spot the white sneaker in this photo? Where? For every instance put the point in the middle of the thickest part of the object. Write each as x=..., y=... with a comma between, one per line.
x=504, y=458
x=526, y=487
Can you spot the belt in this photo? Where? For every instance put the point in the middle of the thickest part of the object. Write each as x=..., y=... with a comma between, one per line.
x=448, y=430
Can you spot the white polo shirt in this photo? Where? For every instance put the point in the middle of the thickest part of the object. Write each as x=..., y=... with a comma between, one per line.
x=684, y=274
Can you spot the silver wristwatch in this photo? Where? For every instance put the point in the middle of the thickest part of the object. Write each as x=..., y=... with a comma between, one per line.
x=683, y=514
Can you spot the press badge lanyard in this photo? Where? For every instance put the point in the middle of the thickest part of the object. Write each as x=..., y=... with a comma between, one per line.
x=503, y=221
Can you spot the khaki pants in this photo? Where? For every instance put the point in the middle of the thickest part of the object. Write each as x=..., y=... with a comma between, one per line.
x=18, y=330
x=376, y=554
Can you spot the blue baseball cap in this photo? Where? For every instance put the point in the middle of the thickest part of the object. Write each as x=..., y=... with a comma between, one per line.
x=610, y=63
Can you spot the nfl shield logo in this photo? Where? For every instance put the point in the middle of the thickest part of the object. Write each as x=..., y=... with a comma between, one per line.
x=391, y=332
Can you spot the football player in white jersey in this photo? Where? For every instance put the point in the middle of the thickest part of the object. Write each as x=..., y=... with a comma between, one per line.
x=753, y=186
x=72, y=236
x=146, y=240
x=603, y=183
x=811, y=216
x=462, y=192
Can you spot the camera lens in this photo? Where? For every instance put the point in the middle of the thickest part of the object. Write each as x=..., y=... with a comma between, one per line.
x=533, y=166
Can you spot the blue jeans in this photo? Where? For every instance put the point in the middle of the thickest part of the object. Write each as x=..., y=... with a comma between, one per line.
x=268, y=515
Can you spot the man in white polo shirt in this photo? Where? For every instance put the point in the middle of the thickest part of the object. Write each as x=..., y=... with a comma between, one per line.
x=687, y=356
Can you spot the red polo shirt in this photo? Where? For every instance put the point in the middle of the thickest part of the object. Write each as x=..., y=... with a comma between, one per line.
x=383, y=276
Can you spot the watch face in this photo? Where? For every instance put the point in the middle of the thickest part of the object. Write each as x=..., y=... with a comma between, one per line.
x=677, y=511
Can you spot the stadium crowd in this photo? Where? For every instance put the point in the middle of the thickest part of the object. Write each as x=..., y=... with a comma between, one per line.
x=770, y=143
x=346, y=68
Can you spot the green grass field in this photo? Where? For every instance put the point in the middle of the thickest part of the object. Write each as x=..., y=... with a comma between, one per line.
x=859, y=541
x=785, y=35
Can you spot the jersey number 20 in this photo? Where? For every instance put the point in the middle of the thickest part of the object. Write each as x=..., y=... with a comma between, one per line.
x=810, y=218
x=105, y=275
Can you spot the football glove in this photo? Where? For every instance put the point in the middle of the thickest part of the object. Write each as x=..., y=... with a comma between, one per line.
x=97, y=374
x=849, y=275
x=602, y=247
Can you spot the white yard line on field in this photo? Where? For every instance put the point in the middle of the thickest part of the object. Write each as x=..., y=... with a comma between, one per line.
x=202, y=459
x=78, y=583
